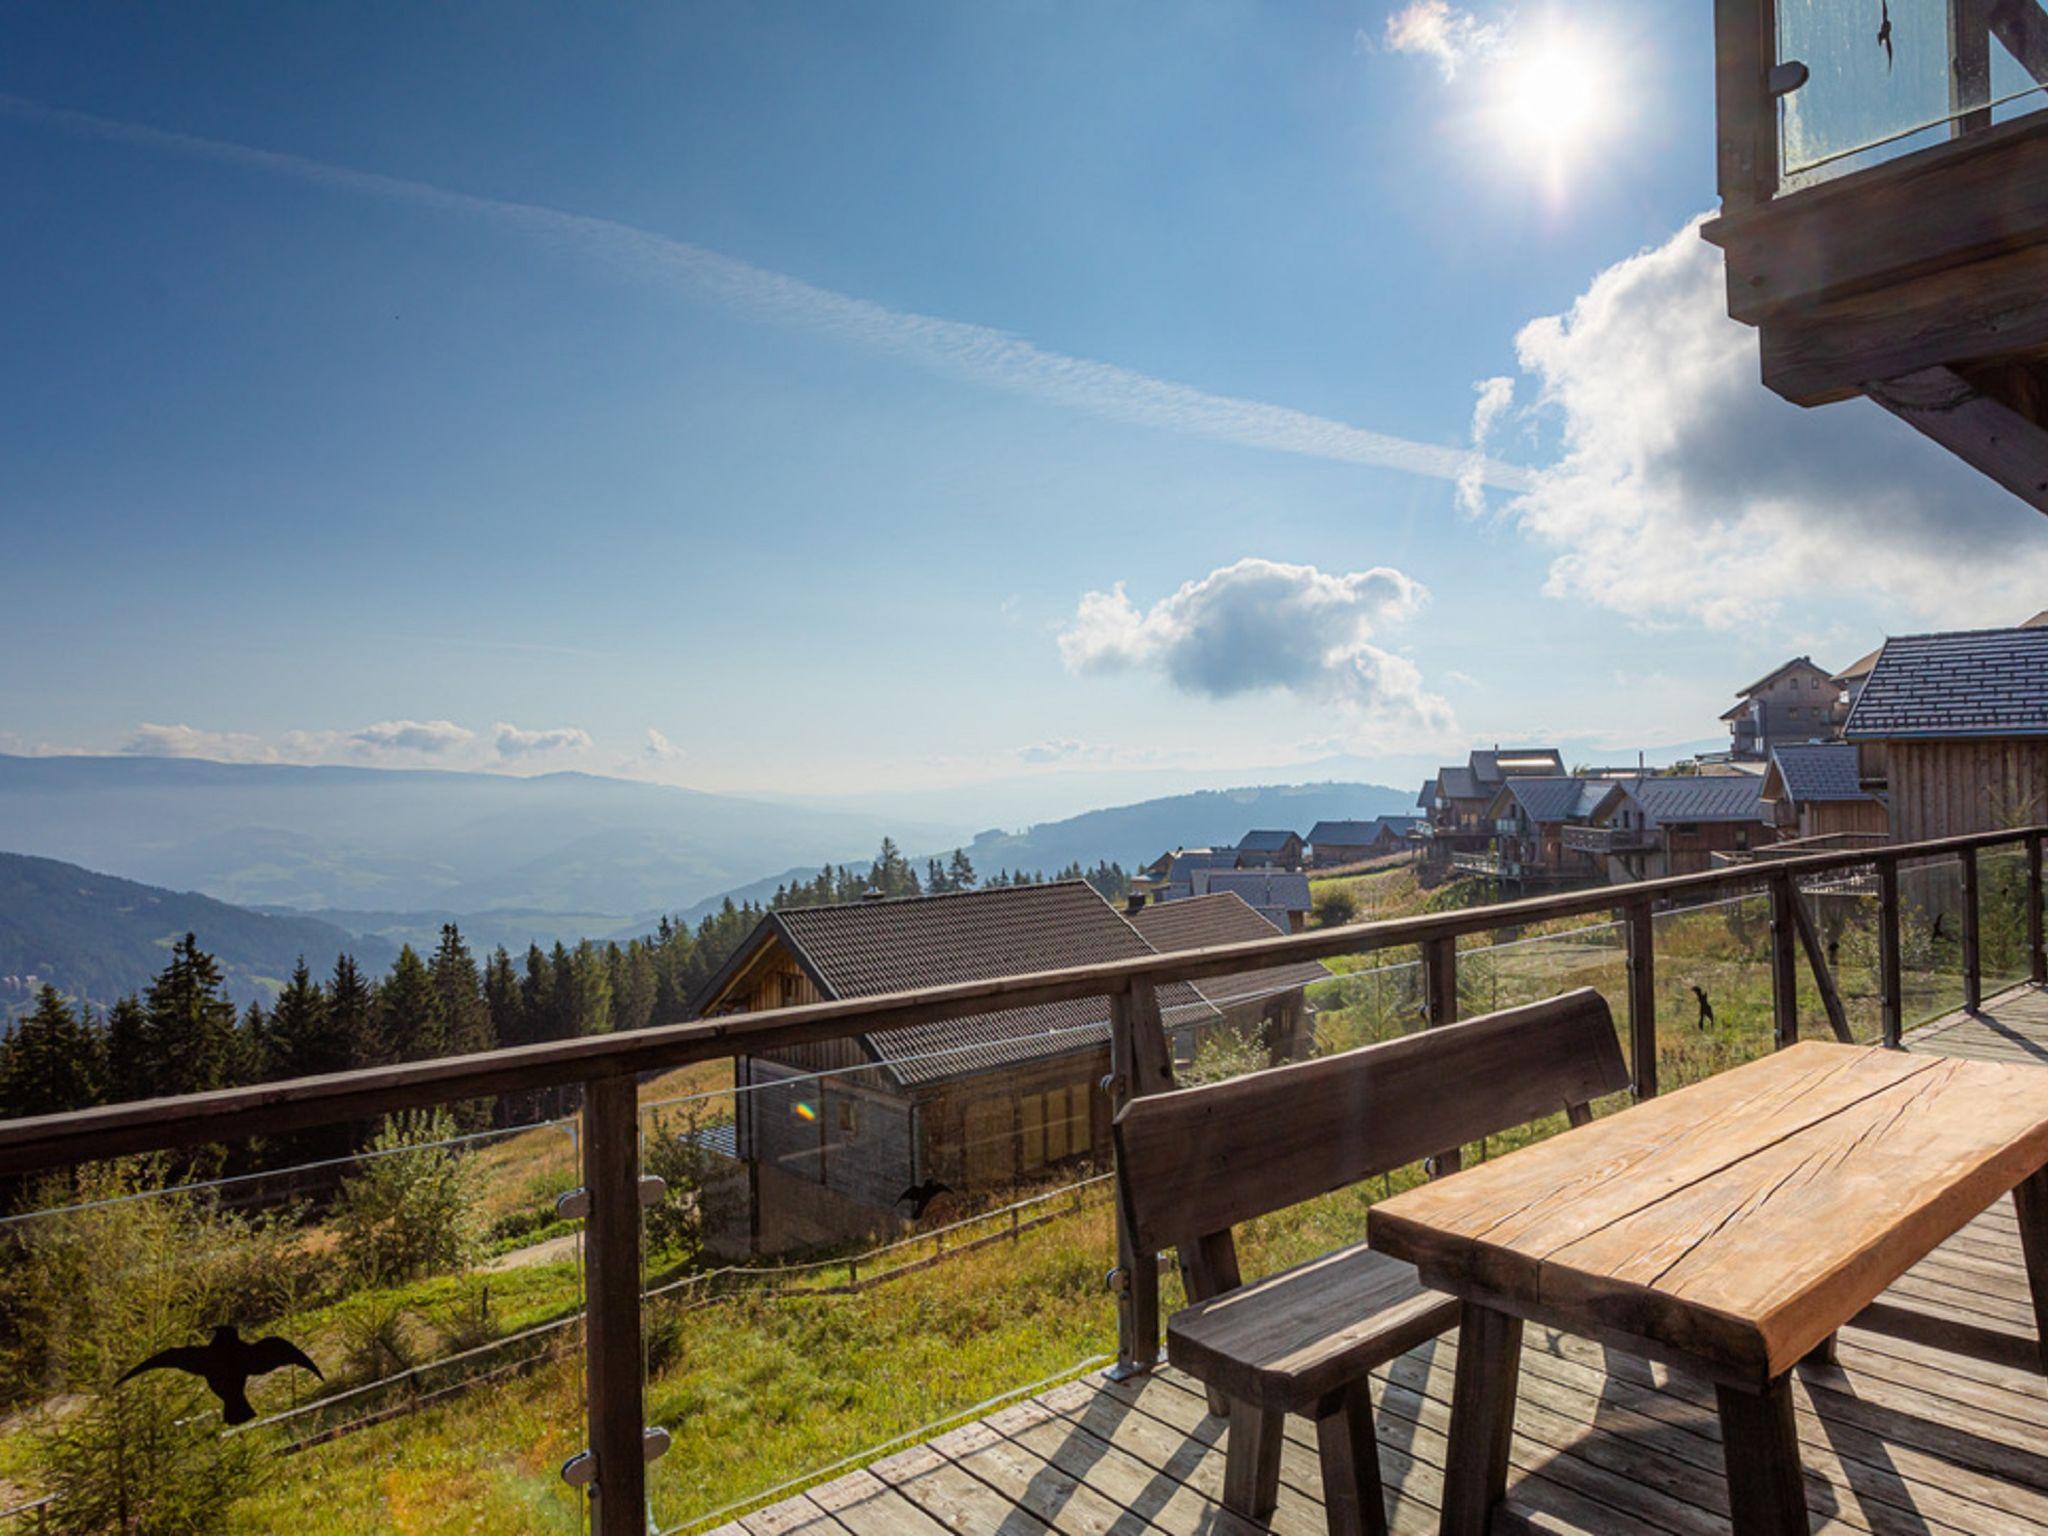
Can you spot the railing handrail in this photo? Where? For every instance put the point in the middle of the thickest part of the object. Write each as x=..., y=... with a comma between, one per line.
x=232, y=1114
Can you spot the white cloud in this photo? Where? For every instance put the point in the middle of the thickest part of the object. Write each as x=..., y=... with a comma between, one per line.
x=956, y=349
x=1259, y=625
x=661, y=749
x=1443, y=32
x=429, y=738
x=511, y=741
x=1684, y=490
x=1495, y=396
x=149, y=740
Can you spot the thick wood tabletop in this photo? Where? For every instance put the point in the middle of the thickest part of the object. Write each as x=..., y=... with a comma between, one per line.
x=1739, y=1222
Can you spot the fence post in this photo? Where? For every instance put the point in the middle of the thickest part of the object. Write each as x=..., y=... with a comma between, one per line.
x=611, y=1182
x=2037, y=952
x=1973, y=968
x=1784, y=962
x=1746, y=119
x=1440, y=980
x=1139, y=1063
x=1891, y=1005
x=1642, y=998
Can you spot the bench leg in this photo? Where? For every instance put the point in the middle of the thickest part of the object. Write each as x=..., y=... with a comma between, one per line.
x=1251, y=1460
x=2030, y=1204
x=1766, y=1489
x=1482, y=1418
x=1350, y=1454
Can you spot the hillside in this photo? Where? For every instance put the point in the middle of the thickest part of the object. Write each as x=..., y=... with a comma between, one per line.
x=99, y=937
x=405, y=840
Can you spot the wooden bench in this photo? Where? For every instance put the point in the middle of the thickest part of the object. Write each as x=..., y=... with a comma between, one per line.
x=1194, y=1162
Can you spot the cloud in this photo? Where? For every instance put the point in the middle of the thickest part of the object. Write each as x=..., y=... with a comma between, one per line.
x=150, y=740
x=1443, y=32
x=511, y=741
x=1495, y=396
x=1684, y=490
x=430, y=738
x=952, y=348
x=661, y=749
x=1055, y=751
x=1260, y=625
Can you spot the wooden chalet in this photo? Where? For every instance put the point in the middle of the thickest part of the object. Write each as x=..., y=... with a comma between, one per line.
x=1279, y=896
x=1797, y=701
x=1646, y=828
x=1530, y=816
x=1813, y=789
x=833, y=1135
x=1270, y=1004
x=1962, y=720
x=1335, y=843
x=1270, y=849
x=1884, y=213
x=1458, y=816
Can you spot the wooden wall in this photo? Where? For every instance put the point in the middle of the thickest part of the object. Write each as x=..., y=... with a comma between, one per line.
x=1948, y=788
x=985, y=1132
x=1819, y=818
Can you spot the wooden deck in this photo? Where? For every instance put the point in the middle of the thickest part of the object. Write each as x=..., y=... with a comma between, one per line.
x=1898, y=1440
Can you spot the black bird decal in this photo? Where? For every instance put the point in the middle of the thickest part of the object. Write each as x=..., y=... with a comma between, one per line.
x=1884, y=31
x=226, y=1363
x=1706, y=1008
x=1938, y=933
x=918, y=1196
x=1834, y=952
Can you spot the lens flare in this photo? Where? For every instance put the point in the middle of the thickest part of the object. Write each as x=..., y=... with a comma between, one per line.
x=803, y=1111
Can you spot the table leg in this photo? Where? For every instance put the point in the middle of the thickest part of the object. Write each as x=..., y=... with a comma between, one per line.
x=1766, y=1489
x=2030, y=1201
x=1482, y=1418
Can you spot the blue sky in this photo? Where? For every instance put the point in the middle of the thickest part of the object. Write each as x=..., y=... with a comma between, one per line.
x=833, y=399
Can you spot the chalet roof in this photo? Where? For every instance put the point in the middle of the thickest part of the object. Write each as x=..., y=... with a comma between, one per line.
x=1966, y=683
x=1272, y=893
x=1489, y=768
x=1697, y=797
x=1860, y=667
x=1426, y=799
x=867, y=948
x=1222, y=918
x=1345, y=834
x=1187, y=860
x=1779, y=671
x=1552, y=798
x=1401, y=826
x=1266, y=841
x=1812, y=772
x=1456, y=783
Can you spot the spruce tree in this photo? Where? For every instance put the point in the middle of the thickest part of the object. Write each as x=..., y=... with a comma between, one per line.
x=408, y=1011
x=190, y=1045
x=352, y=1016
x=464, y=1017
x=53, y=1062
x=960, y=872
x=127, y=1037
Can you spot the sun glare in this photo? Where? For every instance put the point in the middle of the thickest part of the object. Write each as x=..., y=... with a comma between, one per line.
x=1552, y=96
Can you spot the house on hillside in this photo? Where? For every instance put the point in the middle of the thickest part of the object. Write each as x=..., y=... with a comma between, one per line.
x=1463, y=793
x=1797, y=701
x=832, y=1135
x=1674, y=825
x=1267, y=849
x=1335, y=843
x=1812, y=789
x=1270, y=1004
x=1530, y=815
x=1280, y=896
x=1962, y=720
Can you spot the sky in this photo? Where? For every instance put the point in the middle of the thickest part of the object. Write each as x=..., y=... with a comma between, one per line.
x=889, y=400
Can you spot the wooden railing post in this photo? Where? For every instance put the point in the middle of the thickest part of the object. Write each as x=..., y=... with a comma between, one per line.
x=1642, y=998
x=1891, y=1004
x=2037, y=951
x=1746, y=118
x=611, y=1266
x=1139, y=1063
x=1440, y=981
x=1973, y=959
x=1784, y=962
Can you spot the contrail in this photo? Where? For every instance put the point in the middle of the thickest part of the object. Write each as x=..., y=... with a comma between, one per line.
x=954, y=348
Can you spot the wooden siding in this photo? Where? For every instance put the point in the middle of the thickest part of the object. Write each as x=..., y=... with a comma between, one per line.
x=973, y=1133
x=1822, y=818
x=1944, y=788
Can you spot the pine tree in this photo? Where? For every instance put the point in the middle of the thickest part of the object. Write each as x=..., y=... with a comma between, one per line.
x=127, y=1046
x=935, y=879
x=352, y=1016
x=502, y=999
x=54, y=1061
x=303, y=1039
x=960, y=873
x=408, y=1011
x=464, y=1017
x=190, y=1043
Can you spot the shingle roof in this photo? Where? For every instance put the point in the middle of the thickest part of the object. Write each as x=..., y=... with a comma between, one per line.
x=1272, y=893
x=865, y=948
x=1969, y=683
x=1700, y=797
x=1343, y=834
x=1458, y=784
x=1222, y=918
x=1779, y=671
x=1507, y=762
x=1400, y=826
x=1264, y=841
x=1187, y=861
x=1555, y=799
x=1426, y=799
x=1817, y=771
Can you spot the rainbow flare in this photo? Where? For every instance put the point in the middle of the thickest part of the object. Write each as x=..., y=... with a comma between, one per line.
x=804, y=1111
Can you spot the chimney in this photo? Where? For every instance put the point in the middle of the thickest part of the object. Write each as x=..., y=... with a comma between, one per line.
x=873, y=893
x=1135, y=902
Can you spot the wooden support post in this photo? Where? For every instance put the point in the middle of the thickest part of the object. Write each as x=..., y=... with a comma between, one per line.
x=1969, y=66
x=1784, y=963
x=1482, y=1418
x=2030, y=1205
x=611, y=1247
x=1440, y=1000
x=1973, y=958
x=1140, y=1062
x=1745, y=117
x=1760, y=1443
x=1891, y=1003
x=2037, y=951
x=1823, y=973
x=1642, y=999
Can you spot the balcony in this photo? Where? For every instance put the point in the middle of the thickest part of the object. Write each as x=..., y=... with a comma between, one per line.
x=1607, y=840
x=968, y=1372
x=1883, y=219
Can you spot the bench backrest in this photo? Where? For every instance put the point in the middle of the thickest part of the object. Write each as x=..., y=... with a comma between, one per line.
x=1197, y=1161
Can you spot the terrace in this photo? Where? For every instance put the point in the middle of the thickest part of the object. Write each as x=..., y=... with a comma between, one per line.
x=669, y=1399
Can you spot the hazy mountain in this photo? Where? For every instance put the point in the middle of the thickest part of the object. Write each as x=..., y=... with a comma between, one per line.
x=99, y=937
x=405, y=840
x=1134, y=834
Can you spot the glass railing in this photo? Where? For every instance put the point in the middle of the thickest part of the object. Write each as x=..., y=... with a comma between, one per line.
x=1885, y=79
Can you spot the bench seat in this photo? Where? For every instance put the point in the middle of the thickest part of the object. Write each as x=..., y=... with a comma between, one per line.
x=1286, y=1342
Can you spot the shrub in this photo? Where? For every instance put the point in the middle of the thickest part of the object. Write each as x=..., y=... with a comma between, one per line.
x=412, y=1210
x=1336, y=907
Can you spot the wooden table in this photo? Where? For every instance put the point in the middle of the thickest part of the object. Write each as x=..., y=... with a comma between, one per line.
x=1727, y=1230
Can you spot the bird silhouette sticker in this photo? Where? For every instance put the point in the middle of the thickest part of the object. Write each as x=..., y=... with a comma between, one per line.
x=1706, y=1008
x=1938, y=934
x=918, y=1196
x=1884, y=31
x=226, y=1363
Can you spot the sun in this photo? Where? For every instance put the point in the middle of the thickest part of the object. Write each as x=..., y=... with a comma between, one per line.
x=1552, y=96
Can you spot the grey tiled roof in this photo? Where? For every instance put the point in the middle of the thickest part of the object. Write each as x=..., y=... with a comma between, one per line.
x=866, y=948
x=1222, y=918
x=1185, y=863
x=1977, y=682
x=1271, y=892
x=1816, y=771
x=1264, y=841
x=1459, y=784
x=1700, y=797
x=1343, y=834
x=1556, y=799
x=1510, y=762
x=1428, y=796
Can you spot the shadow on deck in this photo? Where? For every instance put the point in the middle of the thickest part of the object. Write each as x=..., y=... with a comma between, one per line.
x=1898, y=1439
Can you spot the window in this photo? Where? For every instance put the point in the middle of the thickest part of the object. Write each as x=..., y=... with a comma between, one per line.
x=849, y=1117
x=1054, y=1125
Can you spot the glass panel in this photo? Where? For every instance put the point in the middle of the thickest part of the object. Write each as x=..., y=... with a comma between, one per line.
x=1713, y=974
x=419, y=1329
x=1370, y=997
x=2002, y=918
x=1930, y=940
x=849, y=1258
x=1845, y=913
x=1880, y=84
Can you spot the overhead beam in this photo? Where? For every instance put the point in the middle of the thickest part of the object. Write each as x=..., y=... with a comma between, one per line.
x=2021, y=26
x=1982, y=430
